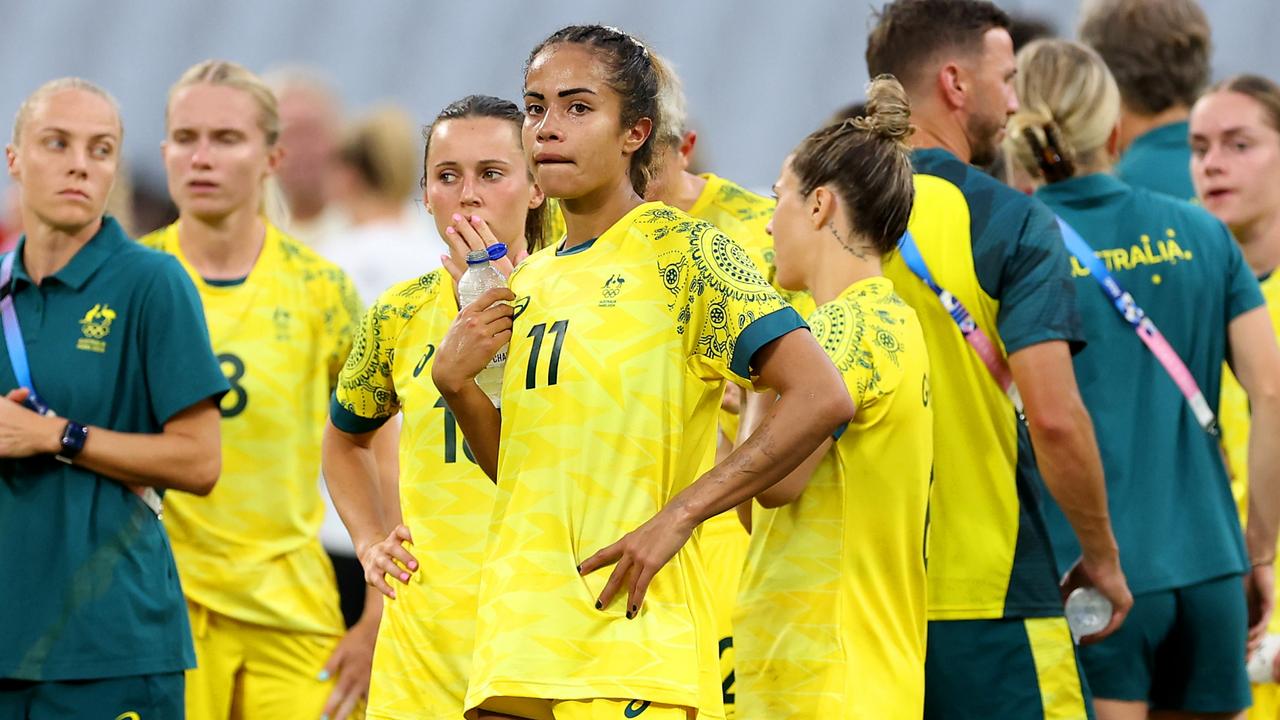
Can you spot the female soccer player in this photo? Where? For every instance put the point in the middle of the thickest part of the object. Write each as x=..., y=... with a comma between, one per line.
x=830, y=620
x=473, y=168
x=1235, y=166
x=620, y=337
x=1150, y=394
x=261, y=591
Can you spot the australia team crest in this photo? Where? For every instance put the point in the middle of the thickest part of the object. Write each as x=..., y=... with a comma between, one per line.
x=95, y=326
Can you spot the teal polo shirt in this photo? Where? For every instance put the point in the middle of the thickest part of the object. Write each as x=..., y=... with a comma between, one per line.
x=1171, y=504
x=1160, y=160
x=116, y=339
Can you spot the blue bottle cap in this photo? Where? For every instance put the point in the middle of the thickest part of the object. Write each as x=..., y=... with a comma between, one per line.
x=497, y=251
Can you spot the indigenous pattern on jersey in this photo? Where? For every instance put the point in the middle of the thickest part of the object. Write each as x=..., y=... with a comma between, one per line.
x=612, y=383
x=250, y=550
x=1171, y=506
x=743, y=216
x=423, y=655
x=1001, y=254
x=831, y=615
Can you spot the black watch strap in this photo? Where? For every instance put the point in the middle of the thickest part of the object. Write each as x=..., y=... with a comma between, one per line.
x=73, y=437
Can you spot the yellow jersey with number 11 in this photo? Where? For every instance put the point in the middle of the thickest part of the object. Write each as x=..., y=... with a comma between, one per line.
x=615, y=371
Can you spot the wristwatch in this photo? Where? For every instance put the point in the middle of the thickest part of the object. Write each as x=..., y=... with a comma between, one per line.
x=73, y=437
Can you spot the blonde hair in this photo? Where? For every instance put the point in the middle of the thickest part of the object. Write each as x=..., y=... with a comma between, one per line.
x=54, y=87
x=672, y=109
x=1069, y=107
x=225, y=73
x=383, y=147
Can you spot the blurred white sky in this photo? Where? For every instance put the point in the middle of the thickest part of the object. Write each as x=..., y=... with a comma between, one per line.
x=759, y=73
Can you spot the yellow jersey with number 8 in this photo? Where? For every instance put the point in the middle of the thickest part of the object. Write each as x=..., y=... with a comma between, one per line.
x=250, y=550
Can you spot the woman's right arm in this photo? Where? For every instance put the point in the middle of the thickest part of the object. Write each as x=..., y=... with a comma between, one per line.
x=479, y=331
x=351, y=474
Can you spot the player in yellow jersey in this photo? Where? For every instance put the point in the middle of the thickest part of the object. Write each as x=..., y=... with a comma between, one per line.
x=743, y=216
x=1235, y=166
x=620, y=339
x=831, y=616
x=264, y=611
x=473, y=166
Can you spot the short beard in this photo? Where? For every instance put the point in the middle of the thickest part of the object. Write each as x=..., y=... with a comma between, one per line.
x=983, y=134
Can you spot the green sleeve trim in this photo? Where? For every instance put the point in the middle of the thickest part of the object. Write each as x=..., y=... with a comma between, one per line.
x=351, y=423
x=839, y=431
x=762, y=331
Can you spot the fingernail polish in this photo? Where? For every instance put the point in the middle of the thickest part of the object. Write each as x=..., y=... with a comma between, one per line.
x=413, y=565
x=456, y=216
x=323, y=676
x=634, y=609
x=630, y=614
x=579, y=569
x=404, y=577
x=475, y=218
x=599, y=605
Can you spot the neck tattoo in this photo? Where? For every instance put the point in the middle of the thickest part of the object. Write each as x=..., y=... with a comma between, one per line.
x=858, y=252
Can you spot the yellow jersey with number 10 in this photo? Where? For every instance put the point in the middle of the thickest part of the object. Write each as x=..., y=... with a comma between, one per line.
x=423, y=655
x=251, y=549
x=615, y=371
x=831, y=613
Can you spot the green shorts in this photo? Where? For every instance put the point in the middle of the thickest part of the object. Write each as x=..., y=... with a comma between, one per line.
x=135, y=697
x=1180, y=649
x=1014, y=669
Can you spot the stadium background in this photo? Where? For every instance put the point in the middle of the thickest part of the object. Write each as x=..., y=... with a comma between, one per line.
x=759, y=74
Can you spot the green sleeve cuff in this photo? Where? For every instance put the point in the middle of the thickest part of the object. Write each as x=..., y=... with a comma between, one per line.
x=349, y=422
x=839, y=431
x=761, y=332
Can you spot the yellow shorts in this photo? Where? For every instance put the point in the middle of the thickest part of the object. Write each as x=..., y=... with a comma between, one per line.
x=597, y=709
x=250, y=671
x=1266, y=702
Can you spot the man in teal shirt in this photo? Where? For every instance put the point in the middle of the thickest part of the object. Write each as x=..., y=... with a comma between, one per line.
x=1159, y=55
x=92, y=619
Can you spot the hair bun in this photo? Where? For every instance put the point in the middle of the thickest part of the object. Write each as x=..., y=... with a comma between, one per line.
x=888, y=109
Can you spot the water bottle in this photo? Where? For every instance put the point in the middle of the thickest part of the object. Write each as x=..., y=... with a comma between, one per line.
x=1261, y=663
x=1088, y=611
x=480, y=278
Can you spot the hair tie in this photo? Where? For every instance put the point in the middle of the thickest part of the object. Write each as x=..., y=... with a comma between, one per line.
x=1053, y=165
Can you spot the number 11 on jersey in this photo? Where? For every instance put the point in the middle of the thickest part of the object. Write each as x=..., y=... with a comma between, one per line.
x=559, y=328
